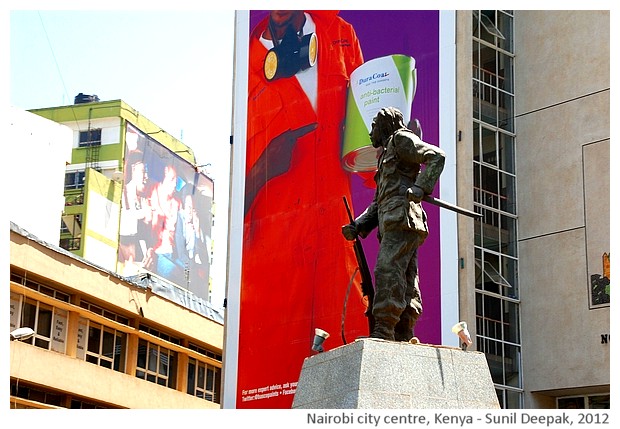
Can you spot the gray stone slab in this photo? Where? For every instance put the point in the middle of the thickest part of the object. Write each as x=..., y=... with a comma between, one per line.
x=372, y=374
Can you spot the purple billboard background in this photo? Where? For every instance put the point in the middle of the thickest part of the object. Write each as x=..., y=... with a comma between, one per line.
x=417, y=35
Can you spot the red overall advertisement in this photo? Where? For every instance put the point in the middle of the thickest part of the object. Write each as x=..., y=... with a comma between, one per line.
x=311, y=94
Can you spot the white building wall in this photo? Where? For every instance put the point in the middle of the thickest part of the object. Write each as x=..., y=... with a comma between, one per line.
x=40, y=149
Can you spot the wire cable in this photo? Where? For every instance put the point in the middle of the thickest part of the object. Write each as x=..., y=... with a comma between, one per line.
x=344, y=308
x=64, y=87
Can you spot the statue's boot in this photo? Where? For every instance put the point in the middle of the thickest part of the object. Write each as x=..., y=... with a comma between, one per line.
x=383, y=330
x=403, y=330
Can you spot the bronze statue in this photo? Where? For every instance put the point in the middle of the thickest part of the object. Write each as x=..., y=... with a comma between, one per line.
x=397, y=212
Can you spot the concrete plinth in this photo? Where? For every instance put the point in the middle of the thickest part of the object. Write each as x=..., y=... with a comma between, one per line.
x=372, y=373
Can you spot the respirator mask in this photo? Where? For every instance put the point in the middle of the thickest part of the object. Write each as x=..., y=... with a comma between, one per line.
x=288, y=56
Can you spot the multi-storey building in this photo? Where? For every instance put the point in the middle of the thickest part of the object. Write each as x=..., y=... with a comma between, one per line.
x=119, y=307
x=533, y=98
x=100, y=340
x=115, y=208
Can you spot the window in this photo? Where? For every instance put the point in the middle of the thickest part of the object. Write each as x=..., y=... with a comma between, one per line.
x=48, y=323
x=35, y=394
x=90, y=137
x=203, y=381
x=85, y=405
x=208, y=353
x=33, y=284
x=159, y=334
x=71, y=231
x=494, y=174
x=493, y=69
x=26, y=395
x=38, y=316
x=105, y=346
x=100, y=344
x=70, y=244
x=583, y=402
x=75, y=179
x=71, y=224
x=156, y=364
x=105, y=313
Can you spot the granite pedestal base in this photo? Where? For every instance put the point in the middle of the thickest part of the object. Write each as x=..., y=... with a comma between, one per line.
x=378, y=374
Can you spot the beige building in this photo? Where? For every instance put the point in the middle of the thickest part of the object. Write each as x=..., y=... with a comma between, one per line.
x=103, y=341
x=536, y=131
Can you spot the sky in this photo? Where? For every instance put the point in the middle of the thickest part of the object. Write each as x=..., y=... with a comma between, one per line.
x=174, y=67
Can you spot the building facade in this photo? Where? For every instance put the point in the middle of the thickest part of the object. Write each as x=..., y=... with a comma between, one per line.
x=135, y=201
x=52, y=142
x=533, y=159
x=101, y=340
x=107, y=328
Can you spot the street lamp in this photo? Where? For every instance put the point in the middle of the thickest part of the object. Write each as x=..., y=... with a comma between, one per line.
x=22, y=334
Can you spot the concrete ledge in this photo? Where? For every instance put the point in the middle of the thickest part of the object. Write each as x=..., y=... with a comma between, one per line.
x=64, y=373
x=372, y=373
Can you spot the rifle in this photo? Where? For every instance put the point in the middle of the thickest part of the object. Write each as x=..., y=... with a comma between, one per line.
x=368, y=289
x=446, y=205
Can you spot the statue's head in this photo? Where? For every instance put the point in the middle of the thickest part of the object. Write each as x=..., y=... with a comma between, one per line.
x=385, y=123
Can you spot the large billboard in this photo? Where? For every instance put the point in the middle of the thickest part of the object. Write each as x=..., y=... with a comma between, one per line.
x=166, y=216
x=302, y=118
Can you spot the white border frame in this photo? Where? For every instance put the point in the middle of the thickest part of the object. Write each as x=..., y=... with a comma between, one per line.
x=447, y=184
x=235, y=210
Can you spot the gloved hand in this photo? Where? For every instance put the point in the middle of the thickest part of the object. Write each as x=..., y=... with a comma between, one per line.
x=274, y=161
x=415, y=194
x=350, y=231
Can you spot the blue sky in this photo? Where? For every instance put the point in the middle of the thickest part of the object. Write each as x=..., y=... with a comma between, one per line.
x=174, y=67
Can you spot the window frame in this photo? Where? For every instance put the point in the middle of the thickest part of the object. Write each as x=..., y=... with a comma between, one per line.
x=587, y=400
x=43, y=335
x=205, y=387
x=100, y=356
x=75, y=179
x=91, y=137
x=155, y=358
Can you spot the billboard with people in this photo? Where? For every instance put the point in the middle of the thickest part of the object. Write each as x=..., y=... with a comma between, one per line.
x=166, y=216
x=315, y=80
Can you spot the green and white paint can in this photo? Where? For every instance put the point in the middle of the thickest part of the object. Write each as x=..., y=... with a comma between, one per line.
x=388, y=81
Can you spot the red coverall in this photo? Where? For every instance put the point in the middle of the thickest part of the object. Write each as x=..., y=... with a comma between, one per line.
x=296, y=263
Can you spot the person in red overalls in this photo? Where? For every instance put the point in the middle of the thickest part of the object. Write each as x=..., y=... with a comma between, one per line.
x=296, y=264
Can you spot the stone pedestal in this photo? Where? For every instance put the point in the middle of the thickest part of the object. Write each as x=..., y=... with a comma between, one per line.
x=378, y=374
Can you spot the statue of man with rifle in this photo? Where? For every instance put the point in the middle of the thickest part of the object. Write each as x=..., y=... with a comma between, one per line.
x=397, y=212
